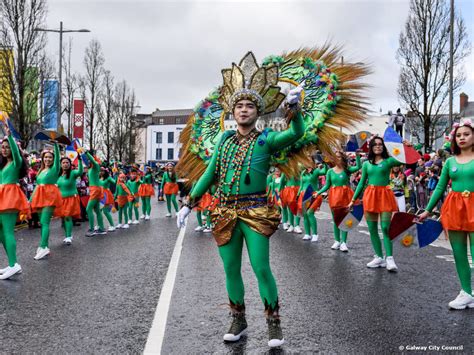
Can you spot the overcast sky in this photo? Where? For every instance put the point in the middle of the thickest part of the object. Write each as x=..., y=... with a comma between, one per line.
x=171, y=52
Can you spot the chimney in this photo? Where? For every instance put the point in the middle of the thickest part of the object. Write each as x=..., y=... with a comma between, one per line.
x=463, y=99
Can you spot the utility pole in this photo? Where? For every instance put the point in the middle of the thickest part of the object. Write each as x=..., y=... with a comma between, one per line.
x=451, y=64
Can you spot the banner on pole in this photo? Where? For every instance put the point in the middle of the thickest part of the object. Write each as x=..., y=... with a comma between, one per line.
x=50, y=104
x=78, y=119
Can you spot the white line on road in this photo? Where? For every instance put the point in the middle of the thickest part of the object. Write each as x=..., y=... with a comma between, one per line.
x=158, y=327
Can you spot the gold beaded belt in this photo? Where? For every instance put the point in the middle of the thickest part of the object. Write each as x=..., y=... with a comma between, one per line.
x=245, y=201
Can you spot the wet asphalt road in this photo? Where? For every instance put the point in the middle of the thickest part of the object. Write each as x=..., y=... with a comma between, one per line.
x=99, y=295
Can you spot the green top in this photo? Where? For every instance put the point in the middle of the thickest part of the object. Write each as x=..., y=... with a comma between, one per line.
x=340, y=179
x=279, y=182
x=119, y=191
x=311, y=179
x=167, y=178
x=49, y=176
x=11, y=172
x=67, y=186
x=93, y=172
x=268, y=143
x=462, y=179
x=134, y=185
x=106, y=183
x=147, y=179
x=375, y=174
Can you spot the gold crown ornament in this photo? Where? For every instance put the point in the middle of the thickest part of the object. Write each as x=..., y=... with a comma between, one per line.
x=248, y=81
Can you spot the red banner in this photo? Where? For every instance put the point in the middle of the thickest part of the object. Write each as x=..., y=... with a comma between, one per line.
x=78, y=119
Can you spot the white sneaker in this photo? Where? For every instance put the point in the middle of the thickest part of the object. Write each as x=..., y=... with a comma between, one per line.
x=344, y=247
x=285, y=226
x=462, y=301
x=306, y=237
x=41, y=253
x=118, y=226
x=199, y=229
x=111, y=229
x=168, y=215
x=129, y=221
x=298, y=230
x=290, y=229
x=3, y=270
x=125, y=226
x=147, y=218
x=15, y=269
x=207, y=230
x=235, y=337
x=314, y=238
x=142, y=216
x=377, y=262
x=67, y=240
x=391, y=266
x=96, y=228
x=136, y=221
x=336, y=245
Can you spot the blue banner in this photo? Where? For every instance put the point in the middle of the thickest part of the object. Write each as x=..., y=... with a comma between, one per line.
x=50, y=104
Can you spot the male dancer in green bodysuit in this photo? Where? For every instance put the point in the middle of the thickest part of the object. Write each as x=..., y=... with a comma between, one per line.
x=239, y=167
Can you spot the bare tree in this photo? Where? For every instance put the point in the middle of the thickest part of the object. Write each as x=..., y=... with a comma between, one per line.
x=423, y=54
x=91, y=84
x=106, y=115
x=70, y=89
x=21, y=50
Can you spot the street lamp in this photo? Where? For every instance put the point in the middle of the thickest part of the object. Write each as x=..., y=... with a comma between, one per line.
x=60, y=31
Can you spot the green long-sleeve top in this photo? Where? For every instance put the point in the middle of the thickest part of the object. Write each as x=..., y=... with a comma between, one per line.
x=50, y=176
x=280, y=182
x=107, y=183
x=119, y=191
x=311, y=179
x=147, y=179
x=67, y=186
x=167, y=178
x=462, y=179
x=94, y=171
x=11, y=172
x=340, y=179
x=268, y=143
x=133, y=185
x=375, y=174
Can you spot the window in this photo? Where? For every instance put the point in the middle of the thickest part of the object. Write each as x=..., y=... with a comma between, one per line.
x=170, y=137
x=179, y=120
x=158, y=154
x=170, y=153
x=161, y=121
x=159, y=137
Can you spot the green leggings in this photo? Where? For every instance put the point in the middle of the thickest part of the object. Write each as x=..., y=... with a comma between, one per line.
x=338, y=234
x=108, y=215
x=94, y=206
x=123, y=214
x=7, y=235
x=310, y=223
x=292, y=219
x=284, y=214
x=372, y=223
x=67, y=221
x=146, y=205
x=45, y=219
x=259, y=254
x=169, y=199
x=458, y=242
x=132, y=207
x=199, y=218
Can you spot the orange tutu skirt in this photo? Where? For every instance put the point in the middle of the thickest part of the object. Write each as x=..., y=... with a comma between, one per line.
x=12, y=198
x=378, y=199
x=457, y=213
x=288, y=195
x=109, y=197
x=340, y=196
x=146, y=190
x=96, y=193
x=71, y=207
x=171, y=188
x=47, y=195
x=123, y=200
x=206, y=201
x=315, y=205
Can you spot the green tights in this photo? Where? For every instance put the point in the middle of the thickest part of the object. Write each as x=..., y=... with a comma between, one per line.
x=310, y=223
x=339, y=236
x=132, y=207
x=108, y=215
x=284, y=213
x=94, y=206
x=45, y=219
x=292, y=219
x=67, y=221
x=199, y=218
x=146, y=205
x=7, y=235
x=458, y=240
x=171, y=199
x=259, y=255
x=123, y=215
x=372, y=223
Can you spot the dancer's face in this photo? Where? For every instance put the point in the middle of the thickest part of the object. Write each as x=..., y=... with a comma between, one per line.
x=133, y=176
x=65, y=164
x=245, y=113
x=48, y=160
x=6, y=151
x=464, y=137
x=378, y=146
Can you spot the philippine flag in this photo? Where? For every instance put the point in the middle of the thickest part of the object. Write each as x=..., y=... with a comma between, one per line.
x=71, y=153
x=347, y=220
x=405, y=231
x=358, y=141
x=403, y=153
x=307, y=198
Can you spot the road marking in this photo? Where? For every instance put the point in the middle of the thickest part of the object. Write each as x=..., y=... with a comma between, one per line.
x=158, y=327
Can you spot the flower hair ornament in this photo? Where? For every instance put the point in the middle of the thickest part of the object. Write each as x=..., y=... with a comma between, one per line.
x=466, y=122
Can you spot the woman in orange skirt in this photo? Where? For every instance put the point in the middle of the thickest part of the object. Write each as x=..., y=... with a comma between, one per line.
x=71, y=207
x=378, y=200
x=106, y=181
x=46, y=198
x=340, y=193
x=289, y=203
x=203, y=208
x=123, y=197
x=457, y=213
x=145, y=192
x=12, y=200
x=170, y=188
